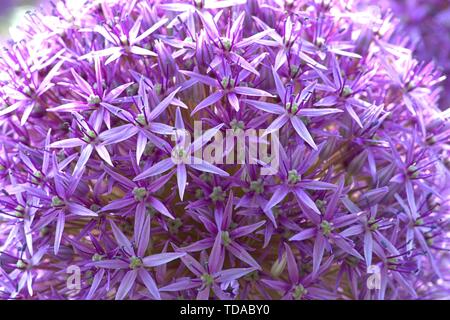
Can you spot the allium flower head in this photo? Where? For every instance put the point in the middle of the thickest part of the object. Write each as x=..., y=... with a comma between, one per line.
x=115, y=173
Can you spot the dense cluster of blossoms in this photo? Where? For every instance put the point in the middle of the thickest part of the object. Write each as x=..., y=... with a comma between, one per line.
x=91, y=95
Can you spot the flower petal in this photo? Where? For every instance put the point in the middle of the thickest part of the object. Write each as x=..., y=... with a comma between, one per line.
x=265, y=106
x=80, y=210
x=161, y=258
x=122, y=240
x=156, y=169
x=149, y=283
x=181, y=179
x=207, y=167
x=317, y=112
x=318, y=250
x=126, y=284
x=233, y=274
x=67, y=143
x=302, y=131
x=216, y=96
x=252, y=92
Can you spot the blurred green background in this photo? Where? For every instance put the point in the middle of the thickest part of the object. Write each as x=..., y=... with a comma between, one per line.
x=11, y=11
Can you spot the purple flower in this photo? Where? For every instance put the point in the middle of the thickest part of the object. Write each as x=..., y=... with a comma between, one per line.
x=222, y=238
x=104, y=195
x=210, y=278
x=134, y=260
x=181, y=158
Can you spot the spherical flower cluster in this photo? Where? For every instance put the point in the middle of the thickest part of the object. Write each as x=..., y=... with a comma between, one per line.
x=101, y=198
